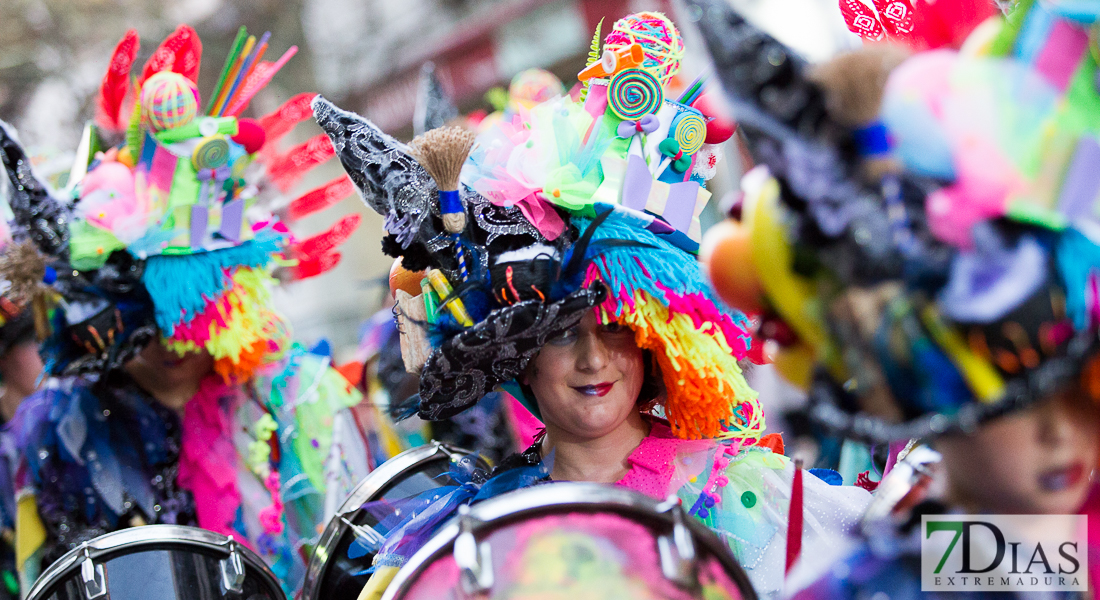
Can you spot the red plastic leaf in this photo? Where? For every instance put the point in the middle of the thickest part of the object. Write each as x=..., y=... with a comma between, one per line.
x=862, y=20
x=293, y=111
x=896, y=17
x=321, y=198
x=316, y=266
x=116, y=82
x=288, y=169
x=180, y=52
x=939, y=24
x=322, y=243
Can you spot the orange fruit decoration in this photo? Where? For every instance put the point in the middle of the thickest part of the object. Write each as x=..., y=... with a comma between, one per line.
x=404, y=279
x=726, y=254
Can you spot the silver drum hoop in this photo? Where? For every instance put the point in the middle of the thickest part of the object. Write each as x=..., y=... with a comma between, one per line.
x=370, y=489
x=89, y=557
x=499, y=512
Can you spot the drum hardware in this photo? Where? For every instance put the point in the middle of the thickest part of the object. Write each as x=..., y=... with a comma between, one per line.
x=458, y=561
x=232, y=570
x=158, y=562
x=333, y=574
x=93, y=577
x=474, y=559
x=677, y=551
x=365, y=533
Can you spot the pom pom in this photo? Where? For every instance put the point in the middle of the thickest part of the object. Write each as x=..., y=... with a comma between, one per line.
x=168, y=100
x=414, y=258
x=250, y=135
x=720, y=126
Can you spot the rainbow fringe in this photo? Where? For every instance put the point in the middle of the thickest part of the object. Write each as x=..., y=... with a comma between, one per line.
x=661, y=294
x=238, y=329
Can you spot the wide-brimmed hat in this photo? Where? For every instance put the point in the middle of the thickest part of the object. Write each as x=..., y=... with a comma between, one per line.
x=565, y=208
x=165, y=225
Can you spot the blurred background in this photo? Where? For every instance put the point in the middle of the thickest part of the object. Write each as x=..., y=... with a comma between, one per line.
x=366, y=56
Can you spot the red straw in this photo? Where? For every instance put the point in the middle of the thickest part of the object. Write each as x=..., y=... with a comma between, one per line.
x=794, y=518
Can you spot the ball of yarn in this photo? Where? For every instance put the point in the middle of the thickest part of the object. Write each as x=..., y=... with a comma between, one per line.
x=210, y=153
x=534, y=86
x=168, y=100
x=659, y=38
x=633, y=93
x=250, y=135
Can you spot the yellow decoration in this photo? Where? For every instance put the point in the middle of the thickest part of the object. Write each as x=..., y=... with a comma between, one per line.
x=982, y=379
x=30, y=534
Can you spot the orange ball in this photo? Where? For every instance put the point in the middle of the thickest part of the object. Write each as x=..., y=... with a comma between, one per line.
x=404, y=279
x=726, y=254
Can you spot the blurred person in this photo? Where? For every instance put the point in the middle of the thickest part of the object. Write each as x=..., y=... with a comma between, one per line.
x=920, y=268
x=178, y=394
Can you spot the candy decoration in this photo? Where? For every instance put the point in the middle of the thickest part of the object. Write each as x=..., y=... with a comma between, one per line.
x=633, y=93
x=659, y=38
x=210, y=153
x=250, y=135
x=673, y=154
x=168, y=100
x=689, y=131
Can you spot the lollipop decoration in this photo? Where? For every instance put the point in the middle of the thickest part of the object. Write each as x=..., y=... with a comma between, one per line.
x=634, y=93
x=689, y=130
x=442, y=152
x=659, y=38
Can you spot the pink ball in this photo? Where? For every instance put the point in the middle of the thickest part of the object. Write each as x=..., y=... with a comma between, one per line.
x=250, y=135
x=721, y=126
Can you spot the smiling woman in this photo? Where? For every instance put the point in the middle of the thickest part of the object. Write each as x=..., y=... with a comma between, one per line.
x=588, y=305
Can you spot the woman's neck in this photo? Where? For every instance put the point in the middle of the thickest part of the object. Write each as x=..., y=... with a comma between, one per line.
x=600, y=460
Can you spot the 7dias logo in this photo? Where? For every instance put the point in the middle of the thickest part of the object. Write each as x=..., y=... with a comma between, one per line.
x=968, y=553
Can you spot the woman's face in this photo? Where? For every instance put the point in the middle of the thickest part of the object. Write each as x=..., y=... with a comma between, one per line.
x=1038, y=461
x=587, y=380
x=163, y=373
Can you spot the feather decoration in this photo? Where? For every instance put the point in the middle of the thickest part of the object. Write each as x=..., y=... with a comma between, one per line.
x=180, y=52
x=319, y=199
x=322, y=243
x=287, y=169
x=116, y=83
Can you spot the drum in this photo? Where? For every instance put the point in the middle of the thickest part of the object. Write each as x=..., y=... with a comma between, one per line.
x=158, y=562
x=905, y=486
x=572, y=541
x=333, y=573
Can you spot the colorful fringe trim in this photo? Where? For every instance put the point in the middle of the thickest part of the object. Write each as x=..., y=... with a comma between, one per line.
x=182, y=286
x=238, y=329
x=695, y=340
x=208, y=458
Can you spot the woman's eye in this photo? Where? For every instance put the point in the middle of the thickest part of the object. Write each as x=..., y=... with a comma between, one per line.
x=563, y=338
x=614, y=328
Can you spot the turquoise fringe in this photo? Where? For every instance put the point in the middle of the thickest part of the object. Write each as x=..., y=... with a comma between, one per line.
x=181, y=285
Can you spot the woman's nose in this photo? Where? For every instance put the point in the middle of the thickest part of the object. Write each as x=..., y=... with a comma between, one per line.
x=1057, y=421
x=592, y=354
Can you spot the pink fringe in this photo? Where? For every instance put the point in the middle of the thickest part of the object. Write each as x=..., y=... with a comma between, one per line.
x=208, y=458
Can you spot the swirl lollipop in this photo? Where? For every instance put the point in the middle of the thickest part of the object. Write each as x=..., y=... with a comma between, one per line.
x=689, y=130
x=633, y=93
x=210, y=153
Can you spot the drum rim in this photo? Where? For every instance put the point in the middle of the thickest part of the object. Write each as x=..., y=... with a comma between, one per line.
x=512, y=506
x=183, y=535
x=365, y=491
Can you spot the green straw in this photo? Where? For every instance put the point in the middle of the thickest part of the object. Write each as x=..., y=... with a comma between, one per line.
x=242, y=33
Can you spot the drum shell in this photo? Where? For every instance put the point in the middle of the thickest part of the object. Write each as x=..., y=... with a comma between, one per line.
x=158, y=562
x=331, y=574
x=559, y=499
